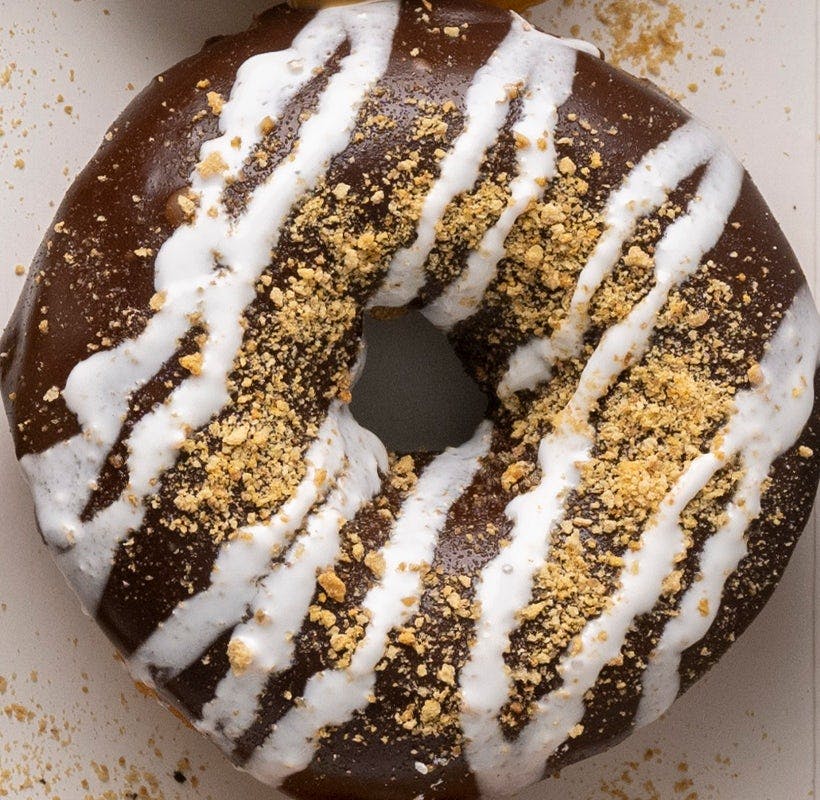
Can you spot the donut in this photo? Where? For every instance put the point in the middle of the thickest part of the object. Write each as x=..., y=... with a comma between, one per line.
x=348, y=622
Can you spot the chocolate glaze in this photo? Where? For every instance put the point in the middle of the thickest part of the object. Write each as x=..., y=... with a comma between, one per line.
x=149, y=156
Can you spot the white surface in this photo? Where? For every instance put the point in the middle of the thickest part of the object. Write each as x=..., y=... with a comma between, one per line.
x=745, y=732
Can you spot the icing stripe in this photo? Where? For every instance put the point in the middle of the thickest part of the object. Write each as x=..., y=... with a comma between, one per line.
x=98, y=388
x=486, y=105
x=506, y=582
x=197, y=622
x=332, y=696
x=282, y=601
x=768, y=421
x=551, y=69
x=643, y=191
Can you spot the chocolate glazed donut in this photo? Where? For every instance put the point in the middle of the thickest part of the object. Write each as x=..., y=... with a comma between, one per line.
x=351, y=623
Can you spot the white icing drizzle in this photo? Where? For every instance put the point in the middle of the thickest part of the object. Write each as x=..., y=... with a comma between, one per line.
x=546, y=66
x=331, y=697
x=548, y=83
x=281, y=602
x=768, y=421
x=506, y=582
x=198, y=621
x=643, y=191
x=99, y=388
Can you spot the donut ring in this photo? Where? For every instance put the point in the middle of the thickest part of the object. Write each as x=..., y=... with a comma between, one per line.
x=351, y=623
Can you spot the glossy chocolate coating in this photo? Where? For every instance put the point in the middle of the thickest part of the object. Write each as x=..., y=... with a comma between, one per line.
x=97, y=293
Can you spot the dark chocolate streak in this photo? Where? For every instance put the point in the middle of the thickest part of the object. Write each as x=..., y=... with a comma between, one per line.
x=279, y=142
x=113, y=478
x=497, y=160
x=149, y=156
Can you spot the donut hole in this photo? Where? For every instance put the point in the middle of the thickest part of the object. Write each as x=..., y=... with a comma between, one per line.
x=413, y=392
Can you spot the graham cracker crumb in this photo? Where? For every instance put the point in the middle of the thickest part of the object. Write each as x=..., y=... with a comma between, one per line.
x=240, y=656
x=215, y=102
x=333, y=586
x=213, y=165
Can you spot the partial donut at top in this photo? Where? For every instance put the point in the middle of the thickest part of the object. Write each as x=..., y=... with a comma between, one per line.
x=353, y=623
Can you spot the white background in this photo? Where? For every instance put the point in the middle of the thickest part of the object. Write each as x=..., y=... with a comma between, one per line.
x=746, y=731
